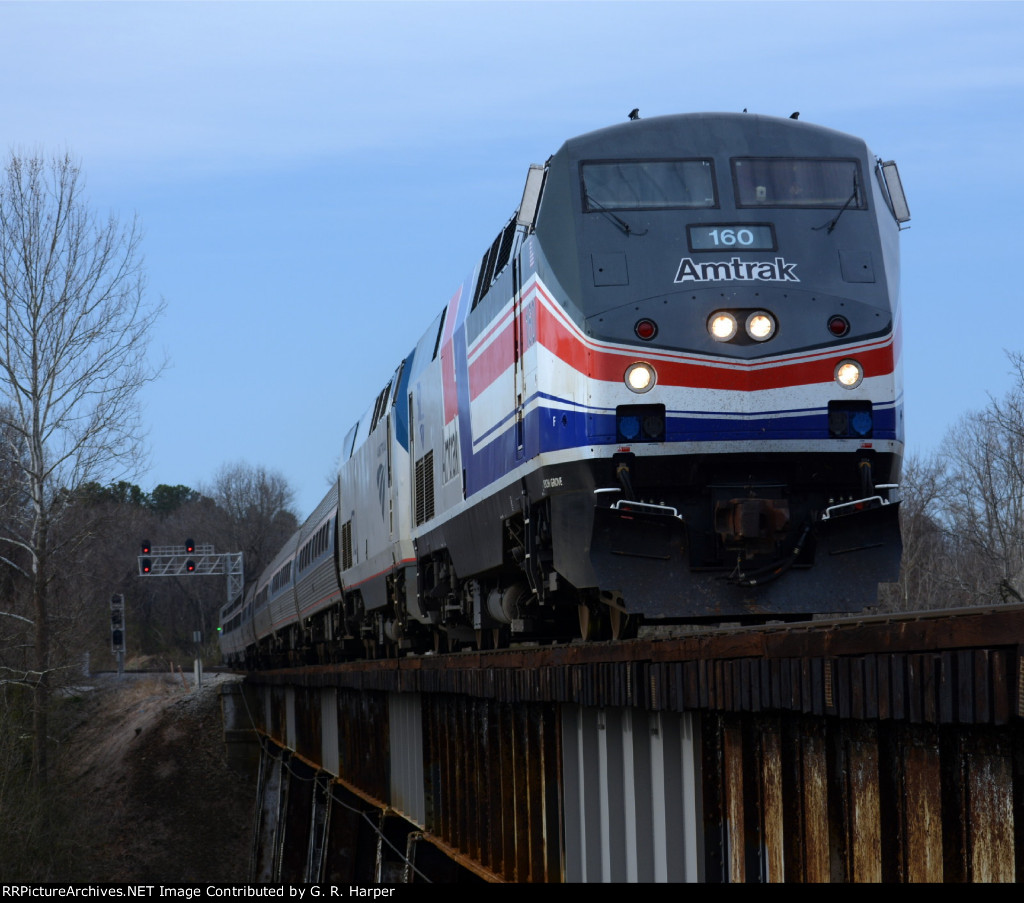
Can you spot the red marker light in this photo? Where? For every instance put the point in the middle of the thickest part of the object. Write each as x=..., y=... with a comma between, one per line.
x=838, y=326
x=646, y=329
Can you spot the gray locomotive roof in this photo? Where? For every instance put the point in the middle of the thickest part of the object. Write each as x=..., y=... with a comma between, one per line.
x=690, y=133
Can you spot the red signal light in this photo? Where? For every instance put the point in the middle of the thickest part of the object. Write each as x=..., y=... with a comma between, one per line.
x=190, y=565
x=147, y=565
x=190, y=546
x=146, y=547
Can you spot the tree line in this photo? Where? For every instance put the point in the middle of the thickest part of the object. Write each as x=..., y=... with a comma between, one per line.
x=962, y=514
x=245, y=509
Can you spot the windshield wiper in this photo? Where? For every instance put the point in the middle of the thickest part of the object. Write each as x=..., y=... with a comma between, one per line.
x=832, y=224
x=621, y=223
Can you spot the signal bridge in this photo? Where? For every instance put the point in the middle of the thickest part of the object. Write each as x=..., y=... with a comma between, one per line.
x=192, y=559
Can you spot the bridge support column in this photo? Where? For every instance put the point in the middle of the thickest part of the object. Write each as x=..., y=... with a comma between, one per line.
x=271, y=801
x=631, y=795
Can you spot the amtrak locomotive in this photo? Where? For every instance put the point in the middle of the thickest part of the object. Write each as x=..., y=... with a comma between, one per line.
x=669, y=391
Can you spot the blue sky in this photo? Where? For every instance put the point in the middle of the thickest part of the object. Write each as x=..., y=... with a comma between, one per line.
x=315, y=179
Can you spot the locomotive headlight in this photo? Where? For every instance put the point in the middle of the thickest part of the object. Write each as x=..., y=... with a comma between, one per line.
x=722, y=326
x=760, y=326
x=849, y=374
x=640, y=377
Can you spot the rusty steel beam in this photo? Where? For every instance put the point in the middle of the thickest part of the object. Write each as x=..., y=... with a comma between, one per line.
x=980, y=686
x=491, y=774
x=961, y=668
x=801, y=798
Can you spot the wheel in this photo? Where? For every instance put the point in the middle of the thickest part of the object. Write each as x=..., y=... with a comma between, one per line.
x=440, y=641
x=484, y=639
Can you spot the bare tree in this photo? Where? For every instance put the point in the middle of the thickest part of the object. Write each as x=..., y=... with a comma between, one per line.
x=73, y=341
x=258, y=510
x=925, y=573
x=963, y=513
x=985, y=500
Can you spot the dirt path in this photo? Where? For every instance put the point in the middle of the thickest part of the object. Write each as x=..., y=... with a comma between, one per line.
x=150, y=763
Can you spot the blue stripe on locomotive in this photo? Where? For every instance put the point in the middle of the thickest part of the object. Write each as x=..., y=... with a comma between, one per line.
x=550, y=428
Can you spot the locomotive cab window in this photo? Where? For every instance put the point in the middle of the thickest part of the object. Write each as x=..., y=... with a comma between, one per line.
x=796, y=182
x=647, y=185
